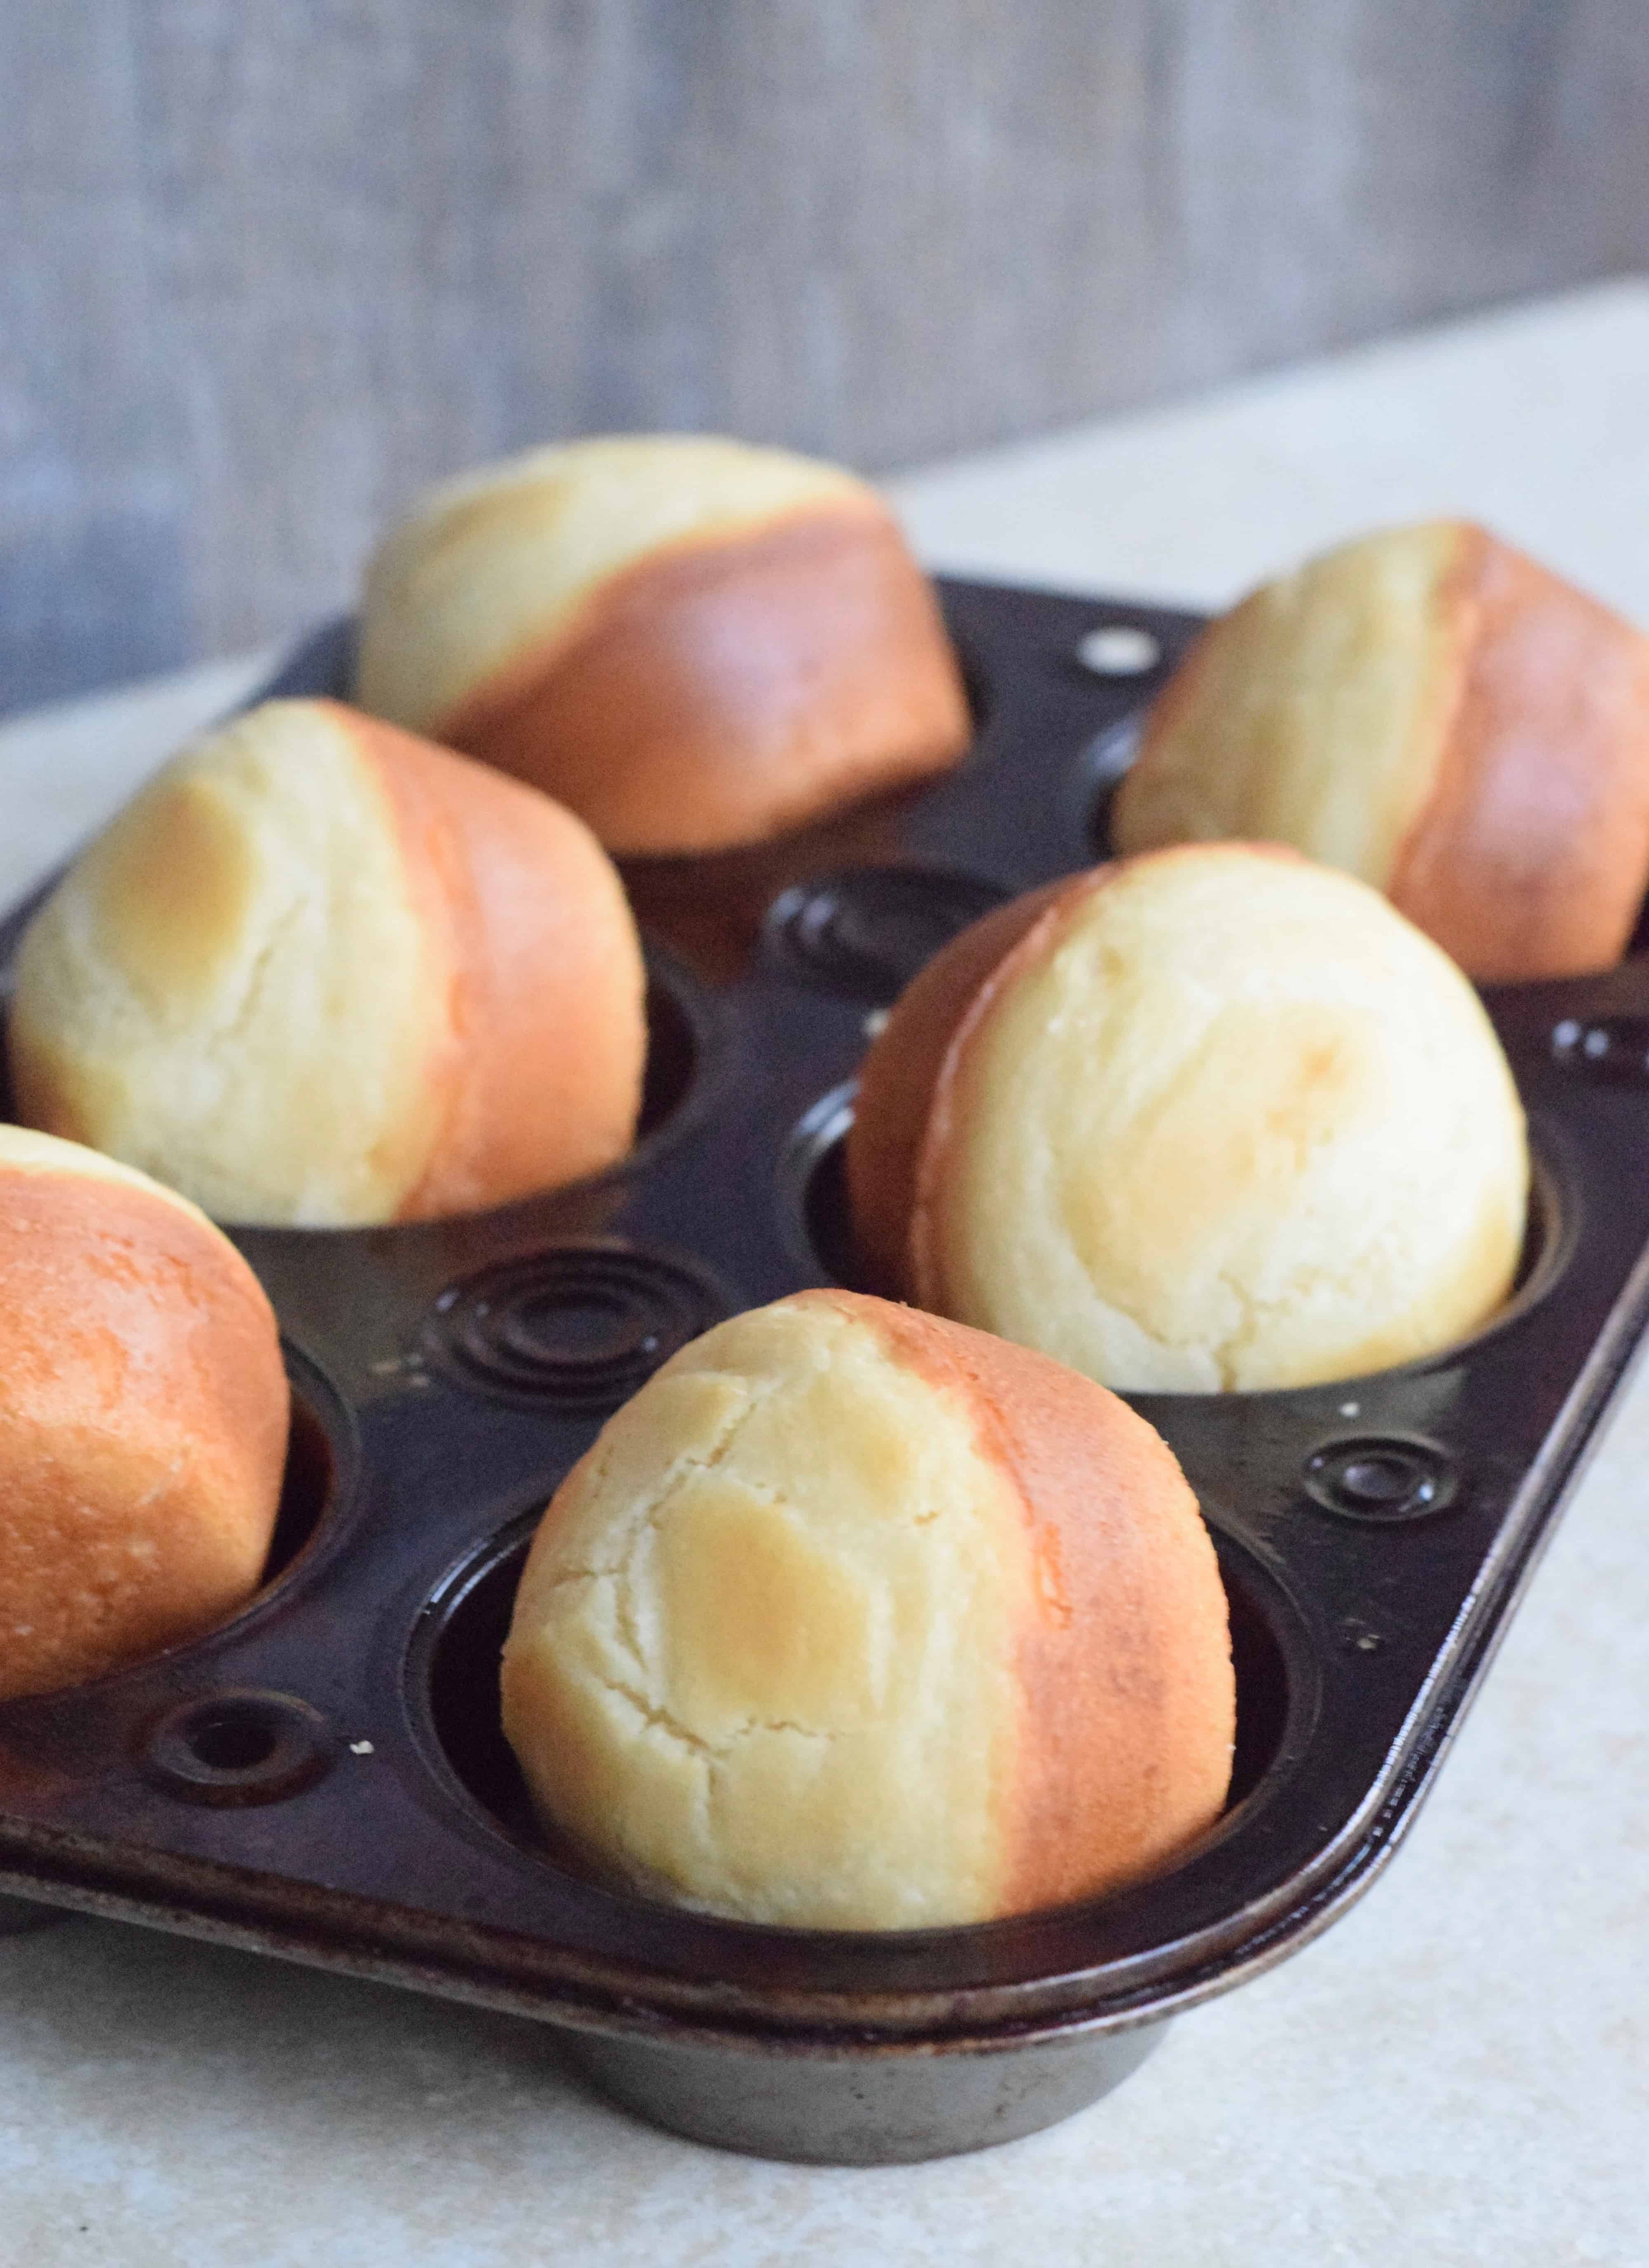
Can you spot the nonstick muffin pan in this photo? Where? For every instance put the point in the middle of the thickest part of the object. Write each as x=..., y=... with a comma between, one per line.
x=324, y=1778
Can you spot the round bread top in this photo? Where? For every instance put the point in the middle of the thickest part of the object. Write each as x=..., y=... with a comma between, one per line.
x=142, y=1416
x=855, y=1619
x=222, y=1031
x=1218, y=1118
x=26, y=1150
x=1433, y=711
x=495, y=565
x=1316, y=712
x=319, y=973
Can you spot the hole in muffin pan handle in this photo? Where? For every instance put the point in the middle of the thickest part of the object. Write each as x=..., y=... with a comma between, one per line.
x=241, y=1746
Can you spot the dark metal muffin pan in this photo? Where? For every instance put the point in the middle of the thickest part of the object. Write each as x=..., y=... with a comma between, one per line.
x=324, y=1778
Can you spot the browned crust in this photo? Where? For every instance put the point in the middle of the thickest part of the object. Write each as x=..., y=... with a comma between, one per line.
x=1530, y=856
x=1127, y=1692
x=143, y=1427
x=1162, y=721
x=45, y=1093
x=543, y=1058
x=904, y=1114
x=899, y=1077
x=720, y=691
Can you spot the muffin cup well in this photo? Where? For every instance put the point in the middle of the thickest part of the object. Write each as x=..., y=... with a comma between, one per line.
x=1360, y=1639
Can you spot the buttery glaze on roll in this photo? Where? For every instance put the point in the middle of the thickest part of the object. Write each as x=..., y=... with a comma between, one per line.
x=857, y=1619
x=143, y=1417
x=319, y=973
x=691, y=642
x=1211, y=1117
x=1438, y=715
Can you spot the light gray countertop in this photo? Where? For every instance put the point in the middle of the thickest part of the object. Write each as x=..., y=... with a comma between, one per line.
x=1457, y=2071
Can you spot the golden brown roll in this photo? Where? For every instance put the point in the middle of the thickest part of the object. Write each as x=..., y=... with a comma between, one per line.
x=320, y=972
x=1439, y=716
x=143, y=1417
x=690, y=642
x=1209, y=1117
x=857, y=1619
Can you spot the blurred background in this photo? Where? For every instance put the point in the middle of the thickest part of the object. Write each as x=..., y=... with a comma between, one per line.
x=267, y=270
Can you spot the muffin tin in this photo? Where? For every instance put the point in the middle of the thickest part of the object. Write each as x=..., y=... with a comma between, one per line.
x=324, y=1778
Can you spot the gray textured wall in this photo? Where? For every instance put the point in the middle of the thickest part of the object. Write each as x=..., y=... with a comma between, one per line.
x=268, y=269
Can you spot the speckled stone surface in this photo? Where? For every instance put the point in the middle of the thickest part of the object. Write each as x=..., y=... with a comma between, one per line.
x=1533, y=420
x=1457, y=2072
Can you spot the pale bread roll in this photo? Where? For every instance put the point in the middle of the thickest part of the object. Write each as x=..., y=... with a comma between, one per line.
x=319, y=973
x=1212, y=1117
x=855, y=1619
x=691, y=642
x=1438, y=715
x=143, y=1417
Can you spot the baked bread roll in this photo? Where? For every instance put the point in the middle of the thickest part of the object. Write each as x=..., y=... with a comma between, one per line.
x=690, y=642
x=1438, y=715
x=319, y=972
x=1211, y=1117
x=854, y=1619
x=143, y=1417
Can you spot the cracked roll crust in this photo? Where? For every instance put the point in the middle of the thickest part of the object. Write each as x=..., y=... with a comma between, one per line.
x=857, y=1619
x=690, y=642
x=319, y=973
x=143, y=1417
x=1438, y=715
x=1211, y=1117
